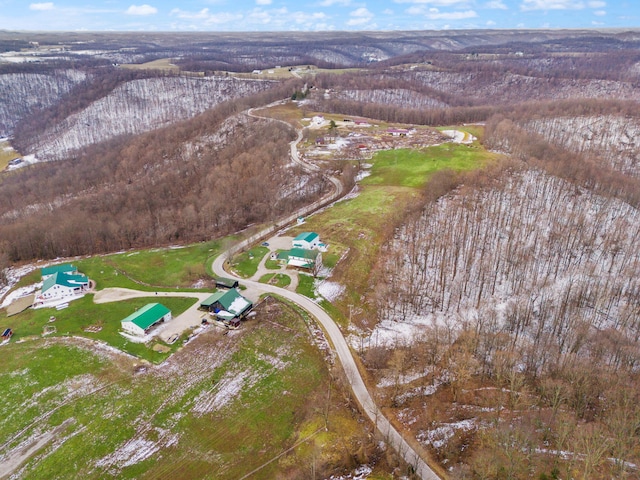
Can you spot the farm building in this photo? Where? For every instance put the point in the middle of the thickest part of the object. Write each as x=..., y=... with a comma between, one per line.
x=306, y=240
x=140, y=322
x=67, y=268
x=7, y=333
x=300, y=257
x=62, y=286
x=227, y=306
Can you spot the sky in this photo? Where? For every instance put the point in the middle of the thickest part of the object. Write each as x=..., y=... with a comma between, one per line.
x=315, y=15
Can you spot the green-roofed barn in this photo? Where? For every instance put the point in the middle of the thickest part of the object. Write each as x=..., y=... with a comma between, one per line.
x=227, y=306
x=140, y=322
x=306, y=240
x=62, y=268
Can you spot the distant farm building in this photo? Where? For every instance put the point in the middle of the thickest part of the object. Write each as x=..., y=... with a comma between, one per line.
x=140, y=322
x=398, y=132
x=228, y=307
x=7, y=333
x=61, y=286
x=306, y=240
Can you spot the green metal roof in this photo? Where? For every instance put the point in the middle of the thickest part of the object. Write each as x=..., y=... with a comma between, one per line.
x=147, y=315
x=303, y=253
x=226, y=282
x=230, y=300
x=64, y=279
x=65, y=268
x=307, y=236
x=212, y=299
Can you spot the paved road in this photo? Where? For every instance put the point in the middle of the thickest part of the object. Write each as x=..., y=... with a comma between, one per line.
x=342, y=350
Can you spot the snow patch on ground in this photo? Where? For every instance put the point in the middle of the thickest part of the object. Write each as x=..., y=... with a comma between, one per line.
x=439, y=436
x=458, y=136
x=360, y=473
x=19, y=293
x=330, y=290
x=224, y=391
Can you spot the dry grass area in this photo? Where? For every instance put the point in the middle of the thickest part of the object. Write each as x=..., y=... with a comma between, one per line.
x=7, y=153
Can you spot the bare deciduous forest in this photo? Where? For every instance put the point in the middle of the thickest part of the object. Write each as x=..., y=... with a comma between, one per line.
x=518, y=284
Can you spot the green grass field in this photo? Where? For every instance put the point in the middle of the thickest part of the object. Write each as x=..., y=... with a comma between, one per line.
x=83, y=313
x=412, y=168
x=221, y=407
x=278, y=279
x=246, y=263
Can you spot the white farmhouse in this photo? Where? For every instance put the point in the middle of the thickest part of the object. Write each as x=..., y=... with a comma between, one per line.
x=62, y=287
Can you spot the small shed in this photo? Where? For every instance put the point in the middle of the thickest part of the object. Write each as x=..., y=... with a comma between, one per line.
x=226, y=282
x=306, y=240
x=140, y=322
x=7, y=333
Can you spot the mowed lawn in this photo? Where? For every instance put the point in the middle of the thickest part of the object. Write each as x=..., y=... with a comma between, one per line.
x=221, y=407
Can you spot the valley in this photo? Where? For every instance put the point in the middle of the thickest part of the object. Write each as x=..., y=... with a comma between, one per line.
x=474, y=313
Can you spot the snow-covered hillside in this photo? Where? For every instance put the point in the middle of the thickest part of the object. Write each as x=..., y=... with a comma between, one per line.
x=533, y=255
x=391, y=96
x=23, y=92
x=138, y=106
x=614, y=139
x=510, y=87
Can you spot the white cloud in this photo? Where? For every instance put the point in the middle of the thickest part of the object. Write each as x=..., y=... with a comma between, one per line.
x=141, y=10
x=600, y=13
x=330, y=3
x=387, y=11
x=439, y=3
x=597, y=4
x=361, y=12
x=490, y=23
x=41, y=6
x=552, y=5
x=437, y=15
x=496, y=4
x=359, y=17
x=263, y=2
x=201, y=15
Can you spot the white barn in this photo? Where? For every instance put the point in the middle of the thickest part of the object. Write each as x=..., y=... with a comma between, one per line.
x=140, y=322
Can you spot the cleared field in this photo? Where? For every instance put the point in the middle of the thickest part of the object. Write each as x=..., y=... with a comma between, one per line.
x=222, y=407
x=412, y=168
x=7, y=153
x=160, y=64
